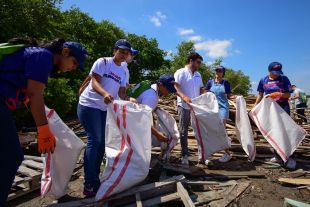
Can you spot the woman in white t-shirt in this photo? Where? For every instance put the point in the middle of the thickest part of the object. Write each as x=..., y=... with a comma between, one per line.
x=108, y=80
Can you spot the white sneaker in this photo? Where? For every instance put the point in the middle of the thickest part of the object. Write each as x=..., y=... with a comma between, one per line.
x=208, y=162
x=185, y=160
x=274, y=159
x=225, y=158
x=291, y=164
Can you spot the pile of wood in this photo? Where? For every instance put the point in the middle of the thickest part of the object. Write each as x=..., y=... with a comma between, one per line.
x=264, y=150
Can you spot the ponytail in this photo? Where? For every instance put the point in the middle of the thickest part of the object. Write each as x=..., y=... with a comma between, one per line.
x=32, y=42
x=55, y=46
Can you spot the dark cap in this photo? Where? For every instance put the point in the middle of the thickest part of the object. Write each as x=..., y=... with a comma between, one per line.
x=77, y=51
x=275, y=68
x=168, y=81
x=123, y=44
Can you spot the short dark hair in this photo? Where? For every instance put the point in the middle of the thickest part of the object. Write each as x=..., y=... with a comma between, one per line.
x=193, y=56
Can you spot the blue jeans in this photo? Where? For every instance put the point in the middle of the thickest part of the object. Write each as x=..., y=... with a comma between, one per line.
x=11, y=154
x=93, y=120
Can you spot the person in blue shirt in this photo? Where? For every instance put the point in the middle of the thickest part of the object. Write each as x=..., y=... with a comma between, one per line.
x=222, y=90
x=23, y=76
x=276, y=86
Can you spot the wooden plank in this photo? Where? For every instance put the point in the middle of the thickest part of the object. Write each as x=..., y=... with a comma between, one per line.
x=18, y=180
x=35, y=158
x=161, y=199
x=33, y=164
x=138, y=200
x=295, y=181
x=182, y=192
x=23, y=190
x=231, y=195
x=28, y=172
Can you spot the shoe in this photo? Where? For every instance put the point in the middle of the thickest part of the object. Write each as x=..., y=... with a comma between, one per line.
x=291, y=164
x=185, y=160
x=273, y=160
x=89, y=192
x=225, y=158
x=208, y=163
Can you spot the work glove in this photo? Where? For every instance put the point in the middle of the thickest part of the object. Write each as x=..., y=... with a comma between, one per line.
x=275, y=95
x=46, y=139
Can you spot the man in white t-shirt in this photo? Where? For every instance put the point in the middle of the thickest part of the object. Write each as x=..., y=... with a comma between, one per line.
x=300, y=102
x=189, y=85
x=150, y=97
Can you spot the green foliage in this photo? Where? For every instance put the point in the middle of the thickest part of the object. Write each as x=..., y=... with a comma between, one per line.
x=240, y=83
x=44, y=20
x=66, y=96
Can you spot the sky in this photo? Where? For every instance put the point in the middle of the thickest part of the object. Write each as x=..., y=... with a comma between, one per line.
x=247, y=34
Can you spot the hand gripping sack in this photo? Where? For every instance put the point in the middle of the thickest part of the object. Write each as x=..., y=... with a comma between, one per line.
x=128, y=147
x=208, y=127
x=244, y=131
x=278, y=128
x=59, y=166
x=166, y=124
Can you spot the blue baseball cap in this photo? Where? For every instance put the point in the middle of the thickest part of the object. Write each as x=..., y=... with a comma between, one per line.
x=168, y=81
x=77, y=51
x=134, y=52
x=219, y=67
x=123, y=44
x=275, y=68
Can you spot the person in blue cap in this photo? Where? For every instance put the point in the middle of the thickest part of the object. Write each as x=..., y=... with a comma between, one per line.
x=23, y=76
x=108, y=81
x=150, y=97
x=222, y=90
x=276, y=86
x=129, y=59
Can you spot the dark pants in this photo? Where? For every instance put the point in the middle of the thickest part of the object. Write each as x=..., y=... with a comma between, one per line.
x=11, y=154
x=286, y=107
x=184, y=121
x=300, y=109
x=94, y=121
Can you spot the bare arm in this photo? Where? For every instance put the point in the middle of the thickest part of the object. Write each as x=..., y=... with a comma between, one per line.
x=259, y=98
x=96, y=79
x=35, y=92
x=160, y=136
x=181, y=94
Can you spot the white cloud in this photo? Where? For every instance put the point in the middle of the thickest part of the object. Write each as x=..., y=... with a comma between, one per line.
x=195, y=38
x=183, y=31
x=215, y=48
x=158, y=18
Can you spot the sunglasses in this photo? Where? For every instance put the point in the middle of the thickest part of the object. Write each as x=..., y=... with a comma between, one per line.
x=199, y=62
x=219, y=71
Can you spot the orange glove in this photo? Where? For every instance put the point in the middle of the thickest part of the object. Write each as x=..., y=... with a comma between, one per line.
x=46, y=140
x=275, y=95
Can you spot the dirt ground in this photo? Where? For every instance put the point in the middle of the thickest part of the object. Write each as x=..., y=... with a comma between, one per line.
x=262, y=192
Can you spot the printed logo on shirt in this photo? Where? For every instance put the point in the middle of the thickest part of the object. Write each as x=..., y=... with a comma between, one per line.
x=274, y=86
x=113, y=76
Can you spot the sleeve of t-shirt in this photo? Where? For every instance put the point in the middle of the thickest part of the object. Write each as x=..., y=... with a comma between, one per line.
x=151, y=101
x=98, y=67
x=209, y=85
x=286, y=84
x=260, y=87
x=178, y=77
x=227, y=87
x=38, y=66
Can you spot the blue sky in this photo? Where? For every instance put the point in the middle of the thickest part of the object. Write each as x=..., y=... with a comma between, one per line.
x=248, y=34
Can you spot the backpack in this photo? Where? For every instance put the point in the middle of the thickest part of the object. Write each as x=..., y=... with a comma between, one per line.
x=136, y=91
x=303, y=97
x=8, y=49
